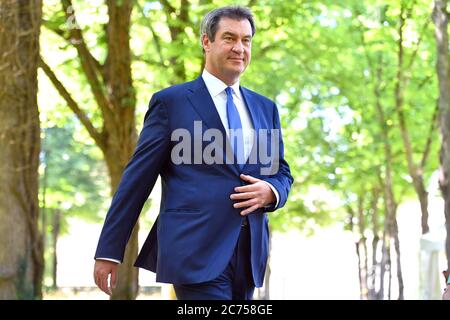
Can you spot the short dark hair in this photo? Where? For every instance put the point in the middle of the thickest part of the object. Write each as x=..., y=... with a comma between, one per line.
x=211, y=20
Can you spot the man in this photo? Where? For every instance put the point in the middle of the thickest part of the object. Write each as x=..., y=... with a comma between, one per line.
x=210, y=239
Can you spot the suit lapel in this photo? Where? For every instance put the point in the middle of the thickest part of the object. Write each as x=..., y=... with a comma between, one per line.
x=203, y=104
x=252, y=107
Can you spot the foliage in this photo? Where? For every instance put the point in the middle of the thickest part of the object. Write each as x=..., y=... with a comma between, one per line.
x=72, y=177
x=318, y=60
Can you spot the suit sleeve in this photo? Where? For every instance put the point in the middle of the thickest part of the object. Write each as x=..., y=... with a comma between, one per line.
x=282, y=179
x=137, y=181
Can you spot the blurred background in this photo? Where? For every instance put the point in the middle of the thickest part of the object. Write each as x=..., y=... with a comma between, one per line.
x=362, y=87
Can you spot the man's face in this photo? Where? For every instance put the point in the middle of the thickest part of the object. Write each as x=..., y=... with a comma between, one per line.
x=229, y=54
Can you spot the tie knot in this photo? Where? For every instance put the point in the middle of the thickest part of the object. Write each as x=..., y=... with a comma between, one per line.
x=229, y=91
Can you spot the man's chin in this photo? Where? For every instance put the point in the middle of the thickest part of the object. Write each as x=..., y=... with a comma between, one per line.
x=237, y=70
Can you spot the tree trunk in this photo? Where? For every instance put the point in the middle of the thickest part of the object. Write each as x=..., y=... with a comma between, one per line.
x=390, y=205
x=422, y=194
x=372, y=293
x=21, y=255
x=375, y=266
x=122, y=127
x=112, y=87
x=399, y=265
x=360, y=271
x=440, y=17
x=56, y=227
x=415, y=171
x=362, y=247
x=384, y=264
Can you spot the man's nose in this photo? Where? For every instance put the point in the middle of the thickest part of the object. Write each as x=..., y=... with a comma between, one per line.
x=238, y=47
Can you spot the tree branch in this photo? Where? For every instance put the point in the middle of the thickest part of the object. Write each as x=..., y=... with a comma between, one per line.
x=156, y=40
x=366, y=51
x=184, y=11
x=58, y=31
x=168, y=7
x=63, y=34
x=147, y=60
x=180, y=19
x=423, y=30
x=263, y=50
x=251, y=3
x=86, y=58
x=433, y=125
x=176, y=27
x=157, y=43
x=71, y=103
x=399, y=98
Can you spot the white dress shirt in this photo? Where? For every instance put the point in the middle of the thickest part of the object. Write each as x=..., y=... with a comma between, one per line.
x=216, y=89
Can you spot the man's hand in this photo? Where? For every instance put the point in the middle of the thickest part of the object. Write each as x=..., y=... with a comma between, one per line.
x=102, y=270
x=446, y=295
x=256, y=194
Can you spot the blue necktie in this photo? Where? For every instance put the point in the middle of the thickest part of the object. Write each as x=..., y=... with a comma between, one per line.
x=235, y=125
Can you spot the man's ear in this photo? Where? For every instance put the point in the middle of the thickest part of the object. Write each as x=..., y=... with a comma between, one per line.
x=205, y=42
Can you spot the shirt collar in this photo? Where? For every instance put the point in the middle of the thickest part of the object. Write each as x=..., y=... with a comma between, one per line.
x=216, y=86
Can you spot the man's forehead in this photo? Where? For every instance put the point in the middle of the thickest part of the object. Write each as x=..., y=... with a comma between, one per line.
x=232, y=26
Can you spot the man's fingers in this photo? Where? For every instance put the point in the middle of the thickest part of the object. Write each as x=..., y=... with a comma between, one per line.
x=96, y=278
x=113, y=278
x=103, y=281
x=247, y=188
x=244, y=195
x=249, y=178
x=249, y=210
x=104, y=285
x=245, y=204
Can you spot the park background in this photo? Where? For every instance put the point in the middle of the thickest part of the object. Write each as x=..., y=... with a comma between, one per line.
x=362, y=88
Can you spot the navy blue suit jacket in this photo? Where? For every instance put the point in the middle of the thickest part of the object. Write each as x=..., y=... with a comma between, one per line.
x=194, y=236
